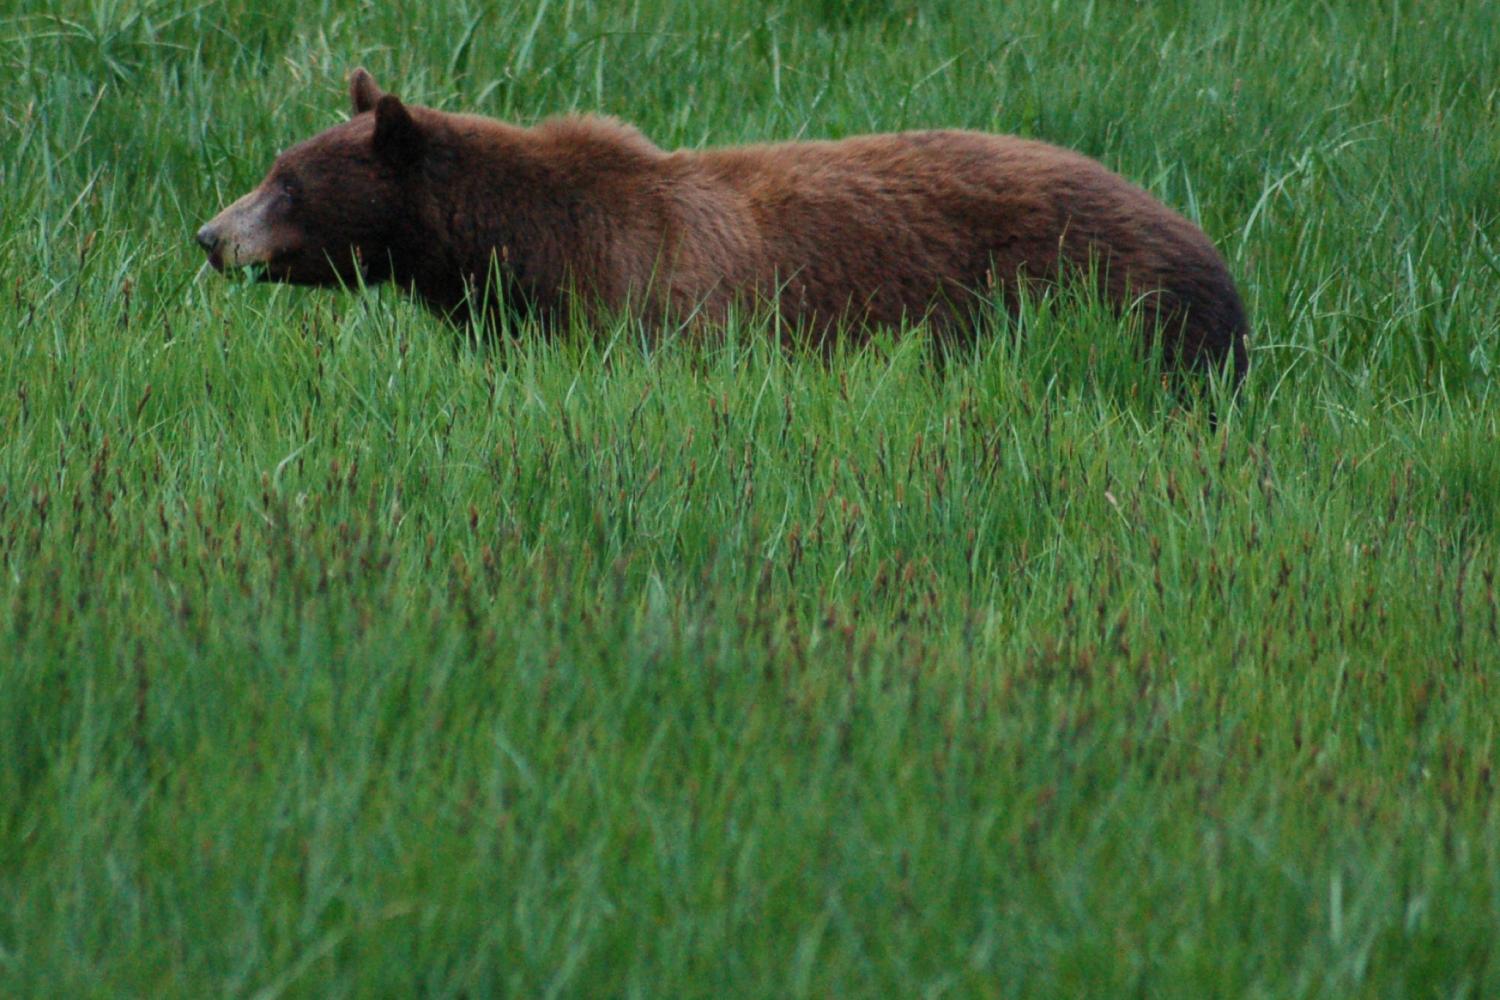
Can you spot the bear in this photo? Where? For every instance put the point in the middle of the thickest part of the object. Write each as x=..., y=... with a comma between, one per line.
x=837, y=237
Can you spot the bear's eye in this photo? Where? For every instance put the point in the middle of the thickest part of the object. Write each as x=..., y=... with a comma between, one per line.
x=290, y=189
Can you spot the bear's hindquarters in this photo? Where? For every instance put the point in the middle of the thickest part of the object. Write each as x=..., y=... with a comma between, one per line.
x=1201, y=319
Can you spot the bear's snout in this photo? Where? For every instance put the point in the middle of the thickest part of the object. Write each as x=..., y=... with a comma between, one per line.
x=241, y=234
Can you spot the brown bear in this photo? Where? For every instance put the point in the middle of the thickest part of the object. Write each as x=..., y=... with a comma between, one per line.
x=467, y=211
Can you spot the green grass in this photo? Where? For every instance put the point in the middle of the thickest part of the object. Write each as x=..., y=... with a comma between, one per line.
x=340, y=658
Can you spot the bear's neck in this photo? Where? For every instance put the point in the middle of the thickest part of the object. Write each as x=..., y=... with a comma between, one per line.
x=514, y=219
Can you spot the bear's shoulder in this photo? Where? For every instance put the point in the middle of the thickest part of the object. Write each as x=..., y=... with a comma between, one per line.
x=596, y=136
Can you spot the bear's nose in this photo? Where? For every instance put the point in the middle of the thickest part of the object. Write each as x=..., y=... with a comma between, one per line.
x=208, y=239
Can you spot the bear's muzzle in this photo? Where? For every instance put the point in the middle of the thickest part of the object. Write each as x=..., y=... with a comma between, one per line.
x=247, y=232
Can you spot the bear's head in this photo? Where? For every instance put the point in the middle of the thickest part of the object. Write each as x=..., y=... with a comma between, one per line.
x=330, y=208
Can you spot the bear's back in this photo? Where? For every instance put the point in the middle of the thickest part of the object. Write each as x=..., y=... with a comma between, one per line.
x=888, y=225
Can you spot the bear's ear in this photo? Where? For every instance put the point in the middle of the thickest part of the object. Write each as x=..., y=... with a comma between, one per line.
x=363, y=92
x=398, y=141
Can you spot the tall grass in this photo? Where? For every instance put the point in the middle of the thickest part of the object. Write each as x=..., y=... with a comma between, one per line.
x=340, y=657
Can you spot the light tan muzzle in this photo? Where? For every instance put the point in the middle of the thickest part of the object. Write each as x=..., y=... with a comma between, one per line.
x=243, y=233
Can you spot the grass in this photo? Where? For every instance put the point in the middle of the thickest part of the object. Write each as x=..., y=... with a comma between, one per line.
x=340, y=658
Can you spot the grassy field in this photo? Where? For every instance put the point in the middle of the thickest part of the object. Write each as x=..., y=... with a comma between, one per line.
x=338, y=657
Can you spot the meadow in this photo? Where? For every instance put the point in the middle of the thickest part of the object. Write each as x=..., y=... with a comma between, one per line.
x=343, y=656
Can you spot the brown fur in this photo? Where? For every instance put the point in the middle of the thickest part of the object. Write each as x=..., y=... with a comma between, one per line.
x=841, y=235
